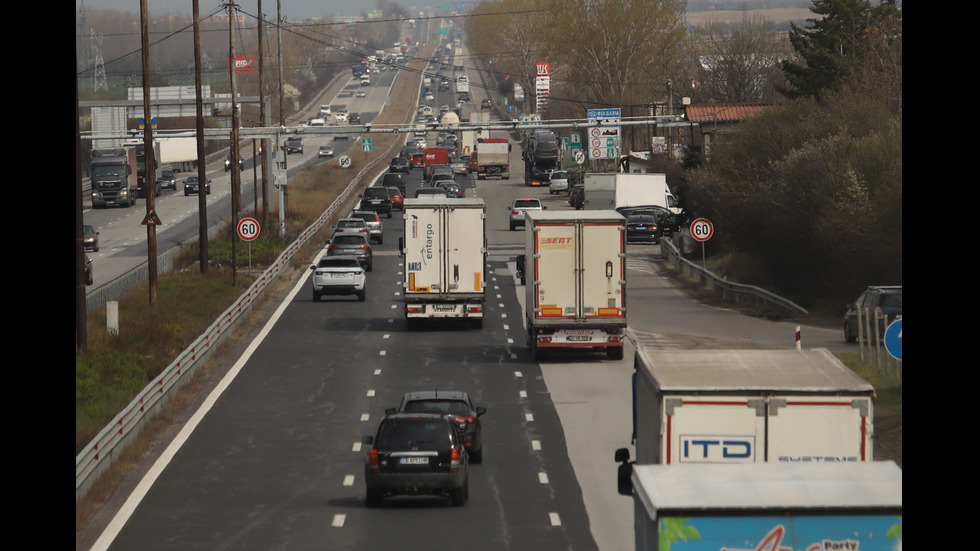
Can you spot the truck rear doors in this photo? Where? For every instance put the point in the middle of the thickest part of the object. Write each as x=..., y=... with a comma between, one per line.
x=579, y=270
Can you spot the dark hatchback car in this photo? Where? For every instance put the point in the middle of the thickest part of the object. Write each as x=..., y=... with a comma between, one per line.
x=90, y=238
x=400, y=164
x=355, y=244
x=393, y=179
x=376, y=198
x=642, y=227
x=455, y=404
x=294, y=145
x=192, y=185
x=416, y=454
x=880, y=303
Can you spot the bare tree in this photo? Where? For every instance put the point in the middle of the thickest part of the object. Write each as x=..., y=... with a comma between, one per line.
x=738, y=65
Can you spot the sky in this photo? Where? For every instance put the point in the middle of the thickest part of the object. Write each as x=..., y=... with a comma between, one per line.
x=291, y=9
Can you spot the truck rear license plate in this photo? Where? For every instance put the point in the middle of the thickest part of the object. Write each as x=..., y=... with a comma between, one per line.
x=579, y=338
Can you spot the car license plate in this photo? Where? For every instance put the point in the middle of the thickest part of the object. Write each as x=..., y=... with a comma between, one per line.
x=641, y=227
x=414, y=460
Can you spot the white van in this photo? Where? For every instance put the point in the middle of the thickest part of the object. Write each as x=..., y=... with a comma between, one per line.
x=324, y=110
x=365, y=80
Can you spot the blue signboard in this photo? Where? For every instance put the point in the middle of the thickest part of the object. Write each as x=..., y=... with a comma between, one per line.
x=611, y=113
x=893, y=339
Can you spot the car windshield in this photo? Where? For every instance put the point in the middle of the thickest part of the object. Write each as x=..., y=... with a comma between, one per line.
x=398, y=433
x=526, y=203
x=437, y=406
x=349, y=240
x=375, y=192
x=643, y=219
x=338, y=262
x=350, y=223
x=891, y=300
x=559, y=175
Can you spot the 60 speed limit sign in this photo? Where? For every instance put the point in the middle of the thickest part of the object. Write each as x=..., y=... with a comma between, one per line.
x=701, y=229
x=248, y=229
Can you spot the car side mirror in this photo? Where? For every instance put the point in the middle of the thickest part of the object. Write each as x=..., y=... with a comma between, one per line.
x=480, y=411
x=390, y=411
x=368, y=440
x=624, y=474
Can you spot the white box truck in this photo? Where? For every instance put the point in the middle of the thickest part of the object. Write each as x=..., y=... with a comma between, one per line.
x=575, y=273
x=179, y=153
x=445, y=250
x=749, y=406
x=619, y=189
x=784, y=506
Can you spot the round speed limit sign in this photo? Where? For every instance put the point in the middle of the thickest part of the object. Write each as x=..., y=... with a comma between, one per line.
x=701, y=229
x=248, y=229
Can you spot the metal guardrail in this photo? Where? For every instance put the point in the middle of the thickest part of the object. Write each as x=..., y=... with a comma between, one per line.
x=736, y=293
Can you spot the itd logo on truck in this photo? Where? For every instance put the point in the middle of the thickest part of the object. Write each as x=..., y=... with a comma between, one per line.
x=703, y=448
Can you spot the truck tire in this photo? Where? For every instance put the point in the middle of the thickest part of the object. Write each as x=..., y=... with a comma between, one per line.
x=614, y=352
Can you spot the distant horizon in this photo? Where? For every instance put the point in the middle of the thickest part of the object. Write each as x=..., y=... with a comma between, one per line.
x=303, y=9
x=291, y=9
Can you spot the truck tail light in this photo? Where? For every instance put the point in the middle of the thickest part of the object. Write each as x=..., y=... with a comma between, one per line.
x=544, y=339
x=473, y=309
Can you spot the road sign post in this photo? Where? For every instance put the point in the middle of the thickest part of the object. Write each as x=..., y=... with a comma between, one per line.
x=702, y=230
x=893, y=339
x=248, y=230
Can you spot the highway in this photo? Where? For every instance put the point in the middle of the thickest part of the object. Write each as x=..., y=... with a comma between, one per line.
x=272, y=460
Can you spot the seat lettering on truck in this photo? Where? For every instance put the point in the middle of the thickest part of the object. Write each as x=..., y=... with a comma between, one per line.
x=556, y=242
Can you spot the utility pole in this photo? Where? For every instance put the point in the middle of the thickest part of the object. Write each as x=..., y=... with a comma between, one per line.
x=283, y=194
x=149, y=160
x=236, y=173
x=202, y=202
x=81, y=310
x=264, y=144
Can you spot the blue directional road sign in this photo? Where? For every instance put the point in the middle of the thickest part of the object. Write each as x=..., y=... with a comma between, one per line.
x=893, y=339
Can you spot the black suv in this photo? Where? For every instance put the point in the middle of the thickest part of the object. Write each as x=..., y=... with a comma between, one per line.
x=882, y=303
x=376, y=198
x=294, y=145
x=416, y=454
x=460, y=409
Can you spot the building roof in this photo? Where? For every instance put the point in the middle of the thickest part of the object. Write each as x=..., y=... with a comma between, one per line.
x=709, y=112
